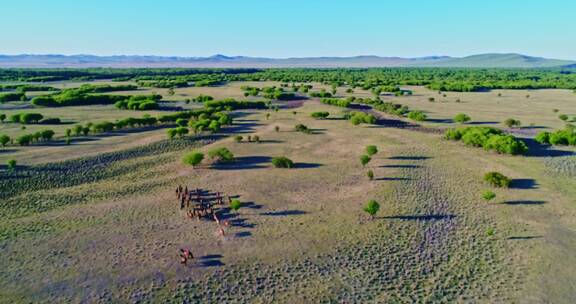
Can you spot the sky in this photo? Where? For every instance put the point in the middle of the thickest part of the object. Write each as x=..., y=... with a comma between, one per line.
x=295, y=28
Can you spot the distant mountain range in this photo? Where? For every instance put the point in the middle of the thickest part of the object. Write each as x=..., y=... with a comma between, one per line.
x=221, y=61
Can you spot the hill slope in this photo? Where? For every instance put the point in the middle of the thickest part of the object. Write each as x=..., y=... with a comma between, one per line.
x=222, y=61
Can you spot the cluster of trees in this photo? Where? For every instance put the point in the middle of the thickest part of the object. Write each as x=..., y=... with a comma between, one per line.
x=250, y=91
x=564, y=137
x=207, y=121
x=221, y=155
x=164, y=83
x=277, y=93
x=23, y=88
x=84, y=95
x=488, y=138
x=27, y=139
x=357, y=118
x=7, y=97
x=139, y=102
x=321, y=94
x=232, y=104
x=30, y=118
x=345, y=103
x=202, y=98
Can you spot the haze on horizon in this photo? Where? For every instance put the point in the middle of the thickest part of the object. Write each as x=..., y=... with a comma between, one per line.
x=282, y=29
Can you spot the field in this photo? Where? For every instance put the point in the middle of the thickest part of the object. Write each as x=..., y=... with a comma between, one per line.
x=97, y=220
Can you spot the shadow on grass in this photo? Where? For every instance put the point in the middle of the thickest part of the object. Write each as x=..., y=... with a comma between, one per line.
x=523, y=202
x=536, y=149
x=306, y=165
x=482, y=122
x=242, y=234
x=400, y=166
x=424, y=217
x=440, y=120
x=392, y=179
x=244, y=163
x=284, y=213
x=518, y=238
x=409, y=157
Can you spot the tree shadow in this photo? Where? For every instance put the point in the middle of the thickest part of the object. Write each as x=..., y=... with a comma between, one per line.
x=251, y=205
x=482, y=122
x=424, y=217
x=242, y=234
x=284, y=213
x=5, y=151
x=409, y=157
x=271, y=141
x=211, y=256
x=244, y=163
x=536, y=149
x=523, y=183
x=524, y=237
x=523, y=202
x=392, y=179
x=306, y=165
x=400, y=166
x=440, y=120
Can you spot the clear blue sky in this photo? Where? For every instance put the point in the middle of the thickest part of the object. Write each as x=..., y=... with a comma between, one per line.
x=295, y=28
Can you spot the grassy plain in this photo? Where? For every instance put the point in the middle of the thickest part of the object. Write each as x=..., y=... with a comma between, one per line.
x=98, y=221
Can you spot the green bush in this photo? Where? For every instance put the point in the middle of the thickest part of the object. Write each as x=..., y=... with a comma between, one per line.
x=371, y=150
x=461, y=118
x=372, y=208
x=497, y=179
x=302, y=128
x=221, y=154
x=417, y=115
x=512, y=123
x=235, y=204
x=238, y=138
x=505, y=144
x=357, y=118
x=193, y=158
x=4, y=139
x=345, y=103
x=282, y=162
x=488, y=195
x=365, y=159
x=11, y=164
x=370, y=174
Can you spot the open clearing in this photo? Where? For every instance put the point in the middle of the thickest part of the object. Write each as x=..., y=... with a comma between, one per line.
x=98, y=220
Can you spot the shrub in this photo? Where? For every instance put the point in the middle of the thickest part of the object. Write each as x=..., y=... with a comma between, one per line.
x=238, y=138
x=488, y=195
x=282, y=162
x=28, y=118
x=417, y=115
x=171, y=133
x=221, y=154
x=256, y=138
x=497, y=179
x=365, y=159
x=357, y=118
x=563, y=117
x=11, y=164
x=235, y=204
x=47, y=134
x=2, y=117
x=193, y=158
x=25, y=140
x=512, y=123
x=372, y=208
x=461, y=118
x=277, y=128
x=4, y=139
x=320, y=115
x=506, y=144
x=371, y=150
x=370, y=174
x=345, y=103
x=543, y=138
x=302, y=128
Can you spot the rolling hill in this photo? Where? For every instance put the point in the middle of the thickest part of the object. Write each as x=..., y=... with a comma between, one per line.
x=222, y=61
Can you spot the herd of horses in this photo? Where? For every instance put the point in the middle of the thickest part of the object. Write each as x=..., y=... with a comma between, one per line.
x=200, y=204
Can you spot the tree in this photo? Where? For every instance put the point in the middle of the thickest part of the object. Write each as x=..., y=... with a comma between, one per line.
x=171, y=133
x=365, y=159
x=2, y=117
x=277, y=128
x=4, y=139
x=238, y=138
x=78, y=130
x=320, y=115
x=47, y=134
x=193, y=158
x=370, y=174
x=497, y=179
x=417, y=115
x=461, y=118
x=372, y=208
x=235, y=205
x=221, y=154
x=25, y=140
x=488, y=195
x=11, y=164
x=282, y=162
x=171, y=91
x=512, y=123
x=68, y=132
x=563, y=117
x=371, y=150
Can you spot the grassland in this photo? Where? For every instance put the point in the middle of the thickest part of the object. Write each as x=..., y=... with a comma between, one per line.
x=98, y=221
